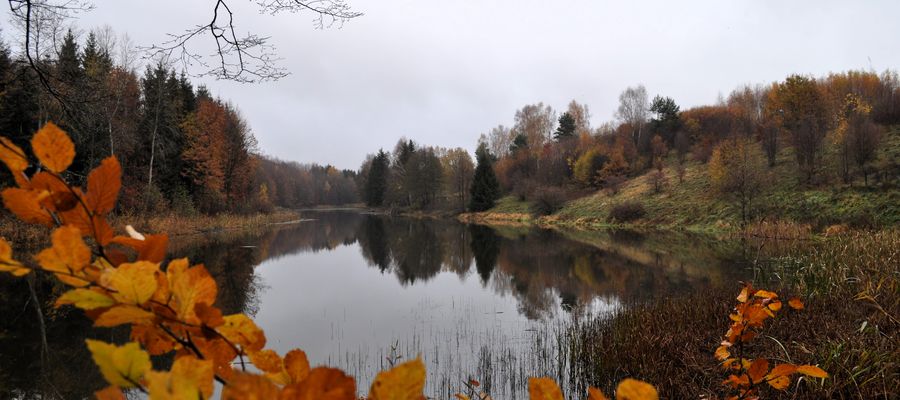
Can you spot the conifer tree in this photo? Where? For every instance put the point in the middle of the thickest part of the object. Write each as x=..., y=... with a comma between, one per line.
x=485, y=188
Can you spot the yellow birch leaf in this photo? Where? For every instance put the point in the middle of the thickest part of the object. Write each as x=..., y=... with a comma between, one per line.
x=122, y=366
x=53, y=148
x=403, y=382
x=134, y=283
x=633, y=389
x=85, y=299
x=240, y=329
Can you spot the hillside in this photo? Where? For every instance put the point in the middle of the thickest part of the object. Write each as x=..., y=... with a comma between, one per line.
x=693, y=204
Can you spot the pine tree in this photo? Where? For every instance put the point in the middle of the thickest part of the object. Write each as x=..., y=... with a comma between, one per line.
x=485, y=188
x=376, y=182
x=566, y=128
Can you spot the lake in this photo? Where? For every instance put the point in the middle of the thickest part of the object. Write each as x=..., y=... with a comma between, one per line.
x=361, y=291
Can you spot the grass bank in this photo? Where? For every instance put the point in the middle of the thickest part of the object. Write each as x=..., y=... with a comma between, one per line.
x=29, y=236
x=691, y=203
x=850, y=327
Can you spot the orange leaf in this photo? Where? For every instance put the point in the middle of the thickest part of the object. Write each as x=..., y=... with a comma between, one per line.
x=758, y=369
x=296, y=365
x=53, y=148
x=323, y=383
x=812, y=370
x=60, y=198
x=266, y=360
x=110, y=393
x=745, y=294
x=596, y=394
x=134, y=283
x=633, y=389
x=67, y=257
x=124, y=314
x=12, y=156
x=152, y=248
x=403, y=382
x=26, y=204
x=780, y=382
x=783, y=370
x=243, y=386
x=195, y=372
x=7, y=264
x=103, y=184
x=795, y=303
x=765, y=294
x=153, y=340
x=543, y=389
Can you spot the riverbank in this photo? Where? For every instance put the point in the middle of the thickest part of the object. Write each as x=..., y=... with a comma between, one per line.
x=29, y=236
x=849, y=327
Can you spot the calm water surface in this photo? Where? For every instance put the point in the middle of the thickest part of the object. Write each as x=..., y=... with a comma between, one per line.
x=359, y=291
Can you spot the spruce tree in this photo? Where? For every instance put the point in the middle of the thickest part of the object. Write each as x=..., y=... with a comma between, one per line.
x=566, y=128
x=376, y=182
x=485, y=188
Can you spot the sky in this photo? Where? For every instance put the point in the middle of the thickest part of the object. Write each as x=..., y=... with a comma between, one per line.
x=443, y=72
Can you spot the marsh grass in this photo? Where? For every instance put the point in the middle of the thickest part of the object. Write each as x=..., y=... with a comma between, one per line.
x=849, y=327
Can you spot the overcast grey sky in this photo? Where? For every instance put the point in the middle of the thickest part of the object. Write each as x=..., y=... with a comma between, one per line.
x=441, y=72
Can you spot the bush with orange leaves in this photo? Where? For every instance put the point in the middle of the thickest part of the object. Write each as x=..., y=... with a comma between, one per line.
x=120, y=280
x=747, y=375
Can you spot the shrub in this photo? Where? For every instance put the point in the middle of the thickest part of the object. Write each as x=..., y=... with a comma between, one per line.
x=627, y=211
x=546, y=201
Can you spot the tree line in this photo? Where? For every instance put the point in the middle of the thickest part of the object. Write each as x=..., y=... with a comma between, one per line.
x=181, y=147
x=830, y=128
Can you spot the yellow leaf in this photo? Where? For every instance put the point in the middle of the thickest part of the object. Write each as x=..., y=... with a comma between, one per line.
x=189, y=378
x=243, y=386
x=53, y=148
x=240, y=329
x=110, y=393
x=103, y=184
x=122, y=366
x=134, y=283
x=85, y=299
x=722, y=353
x=67, y=257
x=322, y=384
x=765, y=294
x=403, y=382
x=189, y=287
x=596, y=394
x=7, y=264
x=633, y=389
x=12, y=156
x=812, y=370
x=124, y=314
x=745, y=294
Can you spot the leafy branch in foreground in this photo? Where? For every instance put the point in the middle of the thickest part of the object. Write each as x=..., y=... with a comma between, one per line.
x=754, y=307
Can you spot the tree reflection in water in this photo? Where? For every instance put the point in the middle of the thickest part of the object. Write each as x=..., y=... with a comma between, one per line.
x=543, y=270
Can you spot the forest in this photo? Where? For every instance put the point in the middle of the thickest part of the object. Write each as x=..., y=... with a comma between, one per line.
x=833, y=129
x=182, y=147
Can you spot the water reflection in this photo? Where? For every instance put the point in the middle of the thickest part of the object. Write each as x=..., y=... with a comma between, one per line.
x=346, y=286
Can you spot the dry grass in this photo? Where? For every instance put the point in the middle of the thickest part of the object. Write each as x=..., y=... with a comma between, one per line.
x=849, y=328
